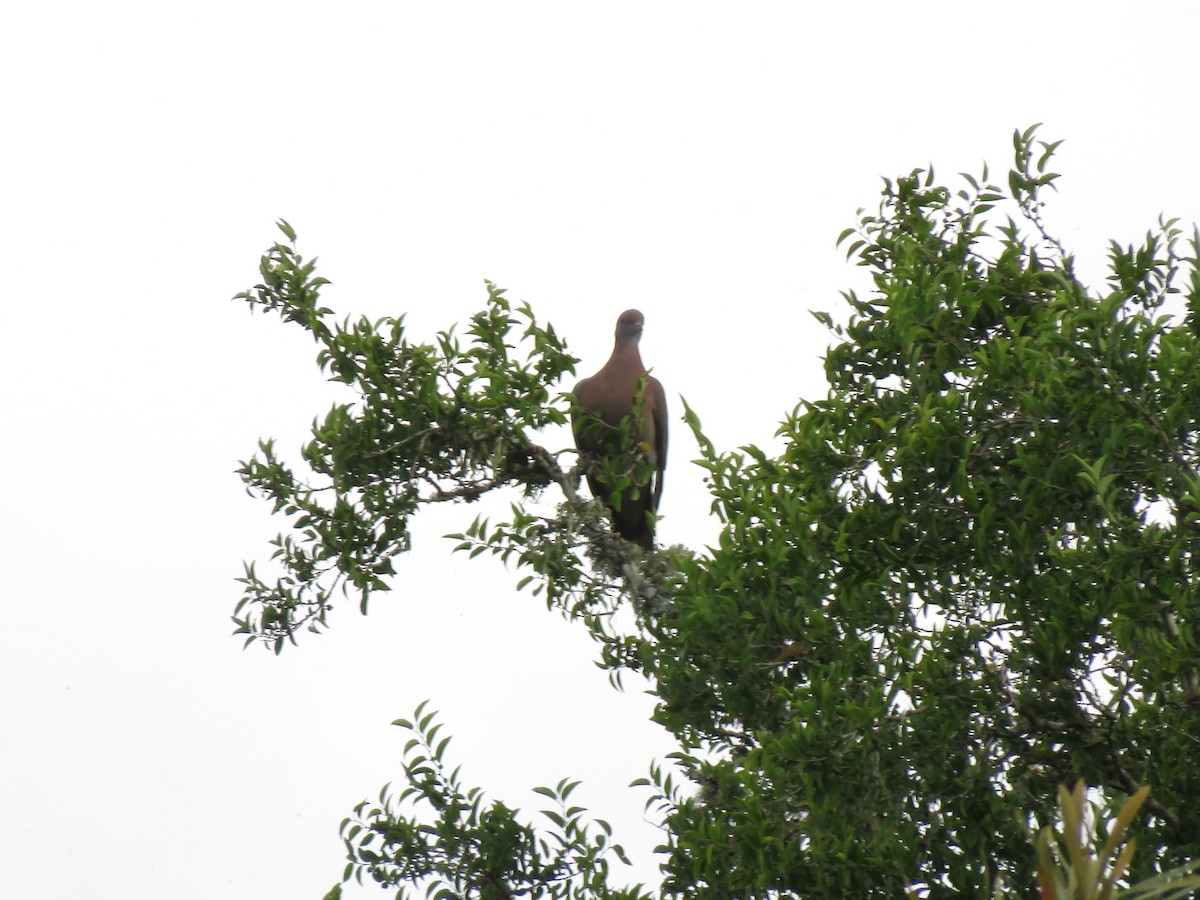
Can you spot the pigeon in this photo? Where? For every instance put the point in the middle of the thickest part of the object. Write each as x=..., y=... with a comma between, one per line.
x=608, y=397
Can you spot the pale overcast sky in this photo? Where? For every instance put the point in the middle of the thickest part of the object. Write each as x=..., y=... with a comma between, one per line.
x=694, y=160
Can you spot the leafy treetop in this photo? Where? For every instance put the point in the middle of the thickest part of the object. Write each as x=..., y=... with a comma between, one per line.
x=967, y=579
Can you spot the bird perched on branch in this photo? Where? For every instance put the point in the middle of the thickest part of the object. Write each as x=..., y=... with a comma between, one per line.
x=624, y=455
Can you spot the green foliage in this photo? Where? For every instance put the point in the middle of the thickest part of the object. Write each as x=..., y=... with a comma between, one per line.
x=427, y=423
x=437, y=836
x=967, y=579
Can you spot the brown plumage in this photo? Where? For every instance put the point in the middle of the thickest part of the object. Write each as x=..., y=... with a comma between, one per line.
x=608, y=397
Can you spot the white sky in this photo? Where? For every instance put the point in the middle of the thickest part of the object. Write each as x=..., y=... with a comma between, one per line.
x=690, y=160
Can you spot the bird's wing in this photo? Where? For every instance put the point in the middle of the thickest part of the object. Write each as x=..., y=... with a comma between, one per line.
x=659, y=397
x=581, y=395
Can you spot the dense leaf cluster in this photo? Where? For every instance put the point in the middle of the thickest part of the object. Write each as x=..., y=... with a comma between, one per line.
x=968, y=578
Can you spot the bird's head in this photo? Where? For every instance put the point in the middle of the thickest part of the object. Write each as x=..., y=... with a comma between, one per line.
x=629, y=326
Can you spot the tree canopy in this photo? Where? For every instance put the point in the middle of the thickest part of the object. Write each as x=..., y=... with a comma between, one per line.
x=967, y=579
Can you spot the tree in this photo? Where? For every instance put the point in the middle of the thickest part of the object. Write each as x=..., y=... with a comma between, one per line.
x=967, y=579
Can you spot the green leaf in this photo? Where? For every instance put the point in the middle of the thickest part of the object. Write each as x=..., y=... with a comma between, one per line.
x=287, y=229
